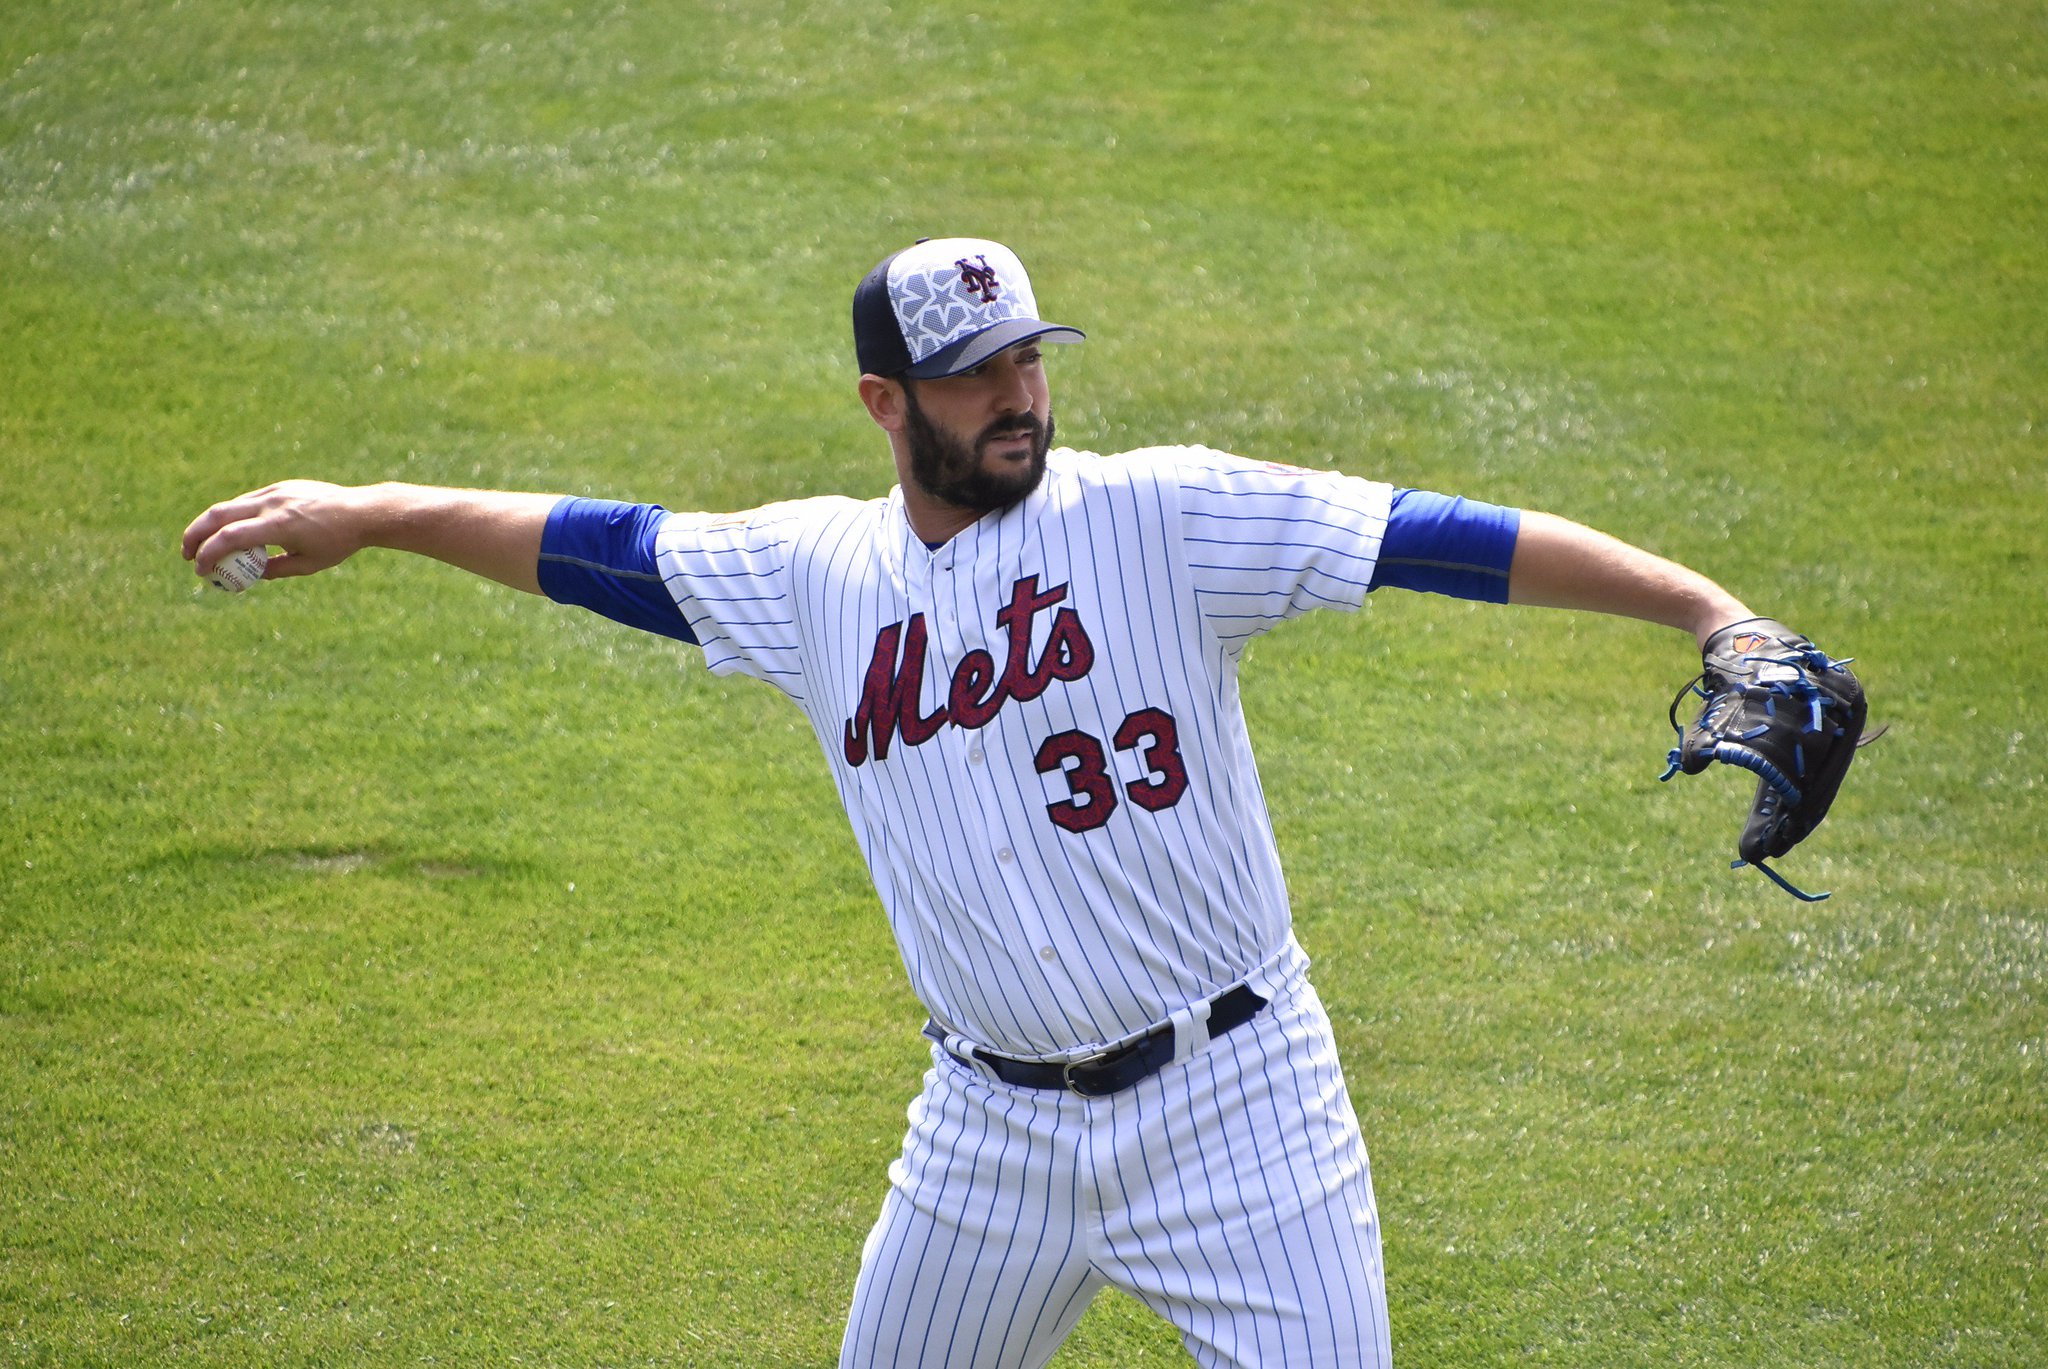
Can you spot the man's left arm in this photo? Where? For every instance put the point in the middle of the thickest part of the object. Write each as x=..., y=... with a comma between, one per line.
x=1775, y=704
x=1561, y=564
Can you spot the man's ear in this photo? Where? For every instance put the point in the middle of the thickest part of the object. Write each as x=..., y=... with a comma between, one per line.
x=884, y=398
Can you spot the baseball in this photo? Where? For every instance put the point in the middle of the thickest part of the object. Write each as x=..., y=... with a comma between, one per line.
x=236, y=573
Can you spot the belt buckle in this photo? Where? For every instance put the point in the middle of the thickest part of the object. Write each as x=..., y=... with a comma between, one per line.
x=1101, y=1060
x=1072, y=1085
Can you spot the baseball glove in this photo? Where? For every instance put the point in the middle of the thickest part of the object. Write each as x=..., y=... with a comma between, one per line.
x=1777, y=706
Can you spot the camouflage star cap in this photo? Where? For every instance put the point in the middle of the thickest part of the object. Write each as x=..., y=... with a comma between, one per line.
x=945, y=306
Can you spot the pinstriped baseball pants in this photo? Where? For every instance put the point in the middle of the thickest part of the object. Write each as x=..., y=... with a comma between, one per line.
x=1229, y=1192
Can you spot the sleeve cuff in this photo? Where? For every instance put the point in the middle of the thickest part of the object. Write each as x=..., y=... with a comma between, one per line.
x=599, y=554
x=1440, y=544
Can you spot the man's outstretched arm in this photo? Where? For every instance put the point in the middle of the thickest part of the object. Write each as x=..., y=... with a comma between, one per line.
x=1562, y=564
x=486, y=532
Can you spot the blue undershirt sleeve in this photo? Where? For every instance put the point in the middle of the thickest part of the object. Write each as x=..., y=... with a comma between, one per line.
x=599, y=555
x=1444, y=545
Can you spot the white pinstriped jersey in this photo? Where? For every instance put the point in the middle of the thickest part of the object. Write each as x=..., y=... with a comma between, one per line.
x=1035, y=727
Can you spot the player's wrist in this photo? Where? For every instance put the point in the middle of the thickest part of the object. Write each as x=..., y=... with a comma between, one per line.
x=1718, y=613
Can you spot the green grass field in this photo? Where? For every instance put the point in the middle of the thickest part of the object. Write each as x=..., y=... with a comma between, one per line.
x=396, y=969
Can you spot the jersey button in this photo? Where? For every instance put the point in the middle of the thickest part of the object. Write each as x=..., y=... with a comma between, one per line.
x=1006, y=855
x=1048, y=954
x=974, y=756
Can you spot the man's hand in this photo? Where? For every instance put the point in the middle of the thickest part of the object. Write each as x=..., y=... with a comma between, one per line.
x=492, y=534
x=317, y=524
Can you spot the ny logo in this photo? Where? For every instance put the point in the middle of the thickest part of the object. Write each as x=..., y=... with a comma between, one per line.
x=980, y=278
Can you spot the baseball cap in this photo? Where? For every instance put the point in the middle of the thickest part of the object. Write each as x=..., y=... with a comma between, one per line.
x=945, y=306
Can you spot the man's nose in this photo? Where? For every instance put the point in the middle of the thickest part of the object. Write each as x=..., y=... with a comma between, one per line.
x=1012, y=392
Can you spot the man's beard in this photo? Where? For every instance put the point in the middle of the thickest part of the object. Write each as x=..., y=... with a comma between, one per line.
x=953, y=471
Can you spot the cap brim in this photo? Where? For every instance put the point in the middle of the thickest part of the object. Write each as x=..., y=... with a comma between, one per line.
x=970, y=352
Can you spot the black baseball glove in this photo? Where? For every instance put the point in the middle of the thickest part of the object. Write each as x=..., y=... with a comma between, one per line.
x=1778, y=706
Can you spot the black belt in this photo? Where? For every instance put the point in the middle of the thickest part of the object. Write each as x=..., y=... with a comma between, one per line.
x=1115, y=1069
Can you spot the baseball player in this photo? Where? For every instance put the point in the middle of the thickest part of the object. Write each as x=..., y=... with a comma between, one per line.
x=1021, y=666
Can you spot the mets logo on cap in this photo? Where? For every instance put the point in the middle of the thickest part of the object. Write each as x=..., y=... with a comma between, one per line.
x=980, y=280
